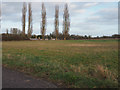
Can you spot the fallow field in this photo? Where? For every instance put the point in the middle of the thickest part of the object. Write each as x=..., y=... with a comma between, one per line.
x=69, y=63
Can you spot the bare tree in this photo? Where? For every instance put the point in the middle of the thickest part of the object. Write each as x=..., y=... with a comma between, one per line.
x=29, y=21
x=66, y=22
x=43, y=25
x=13, y=30
x=0, y=15
x=0, y=22
x=56, y=21
x=6, y=31
x=24, y=18
x=19, y=32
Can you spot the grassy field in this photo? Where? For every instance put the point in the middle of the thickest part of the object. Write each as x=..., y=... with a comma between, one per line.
x=70, y=63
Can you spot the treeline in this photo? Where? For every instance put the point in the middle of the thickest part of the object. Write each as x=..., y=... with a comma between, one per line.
x=73, y=37
x=14, y=34
x=14, y=37
x=18, y=36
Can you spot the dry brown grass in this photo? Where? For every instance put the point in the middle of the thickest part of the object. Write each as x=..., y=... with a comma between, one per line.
x=103, y=73
x=85, y=45
x=77, y=68
x=9, y=56
x=99, y=71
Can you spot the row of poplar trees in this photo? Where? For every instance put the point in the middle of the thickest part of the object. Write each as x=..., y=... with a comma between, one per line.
x=66, y=21
x=30, y=25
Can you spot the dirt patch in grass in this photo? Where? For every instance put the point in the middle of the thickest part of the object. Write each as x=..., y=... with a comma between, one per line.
x=85, y=45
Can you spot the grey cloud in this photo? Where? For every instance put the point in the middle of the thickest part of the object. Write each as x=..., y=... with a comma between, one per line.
x=12, y=11
x=107, y=16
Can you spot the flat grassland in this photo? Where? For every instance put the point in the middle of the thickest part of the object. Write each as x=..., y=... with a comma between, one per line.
x=69, y=63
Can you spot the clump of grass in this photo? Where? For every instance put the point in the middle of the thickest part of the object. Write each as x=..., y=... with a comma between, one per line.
x=9, y=56
x=102, y=72
x=77, y=69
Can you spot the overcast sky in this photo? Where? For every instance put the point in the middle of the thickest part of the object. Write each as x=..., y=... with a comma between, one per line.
x=96, y=19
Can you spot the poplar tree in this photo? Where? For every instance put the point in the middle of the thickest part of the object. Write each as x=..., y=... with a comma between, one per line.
x=66, y=22
x=30, y=21
x=56, y=21
x=24, y=9
x=43, y=24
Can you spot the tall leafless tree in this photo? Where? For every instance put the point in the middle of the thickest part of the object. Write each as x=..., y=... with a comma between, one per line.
x=56, y=21
x=24, y=9
x=29, y=21
x=43, y=25
x=66, y=22
x=0, y=15
x=7, y=31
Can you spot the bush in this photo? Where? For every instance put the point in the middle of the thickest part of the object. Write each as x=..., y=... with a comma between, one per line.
x=13, y=37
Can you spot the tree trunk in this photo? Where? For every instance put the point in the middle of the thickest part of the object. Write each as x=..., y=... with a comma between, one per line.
x=42, y=37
